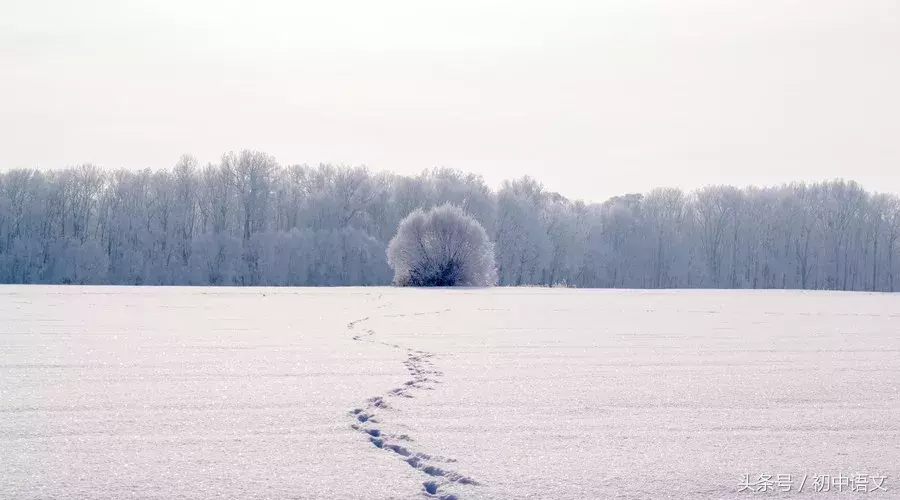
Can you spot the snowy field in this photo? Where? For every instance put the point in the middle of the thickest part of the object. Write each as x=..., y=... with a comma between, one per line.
x=379, y=393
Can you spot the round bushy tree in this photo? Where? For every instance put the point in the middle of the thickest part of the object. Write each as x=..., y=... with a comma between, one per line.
x=441, y=247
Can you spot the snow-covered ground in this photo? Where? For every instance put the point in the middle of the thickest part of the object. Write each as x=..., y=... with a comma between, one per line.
x=380, y=393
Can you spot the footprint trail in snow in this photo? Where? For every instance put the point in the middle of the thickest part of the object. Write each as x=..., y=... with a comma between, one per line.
x=371, y=418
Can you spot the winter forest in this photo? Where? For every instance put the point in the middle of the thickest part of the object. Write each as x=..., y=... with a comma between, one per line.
x=249, y=221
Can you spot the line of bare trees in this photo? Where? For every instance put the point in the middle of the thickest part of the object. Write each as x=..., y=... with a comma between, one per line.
x=246, y=220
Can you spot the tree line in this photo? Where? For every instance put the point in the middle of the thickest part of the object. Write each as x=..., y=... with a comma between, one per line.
x=246, y=220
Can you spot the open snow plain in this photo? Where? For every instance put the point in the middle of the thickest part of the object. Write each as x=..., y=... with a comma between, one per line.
x=378, y=393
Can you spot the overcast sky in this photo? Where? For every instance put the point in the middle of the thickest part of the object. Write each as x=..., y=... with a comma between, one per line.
x=594, y=98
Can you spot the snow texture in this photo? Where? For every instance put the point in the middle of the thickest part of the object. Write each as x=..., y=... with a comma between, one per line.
x=401, y=393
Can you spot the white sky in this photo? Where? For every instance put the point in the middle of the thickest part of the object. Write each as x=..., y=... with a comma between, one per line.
x=593, y=98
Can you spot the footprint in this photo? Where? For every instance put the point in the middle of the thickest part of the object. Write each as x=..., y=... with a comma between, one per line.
x=378, y=402
x=400, y=450
x=420, y=367
x=431, y=489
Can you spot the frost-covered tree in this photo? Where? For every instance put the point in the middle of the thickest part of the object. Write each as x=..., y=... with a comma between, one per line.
x=524, y=249
x=441, y=247
x=246, y=220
